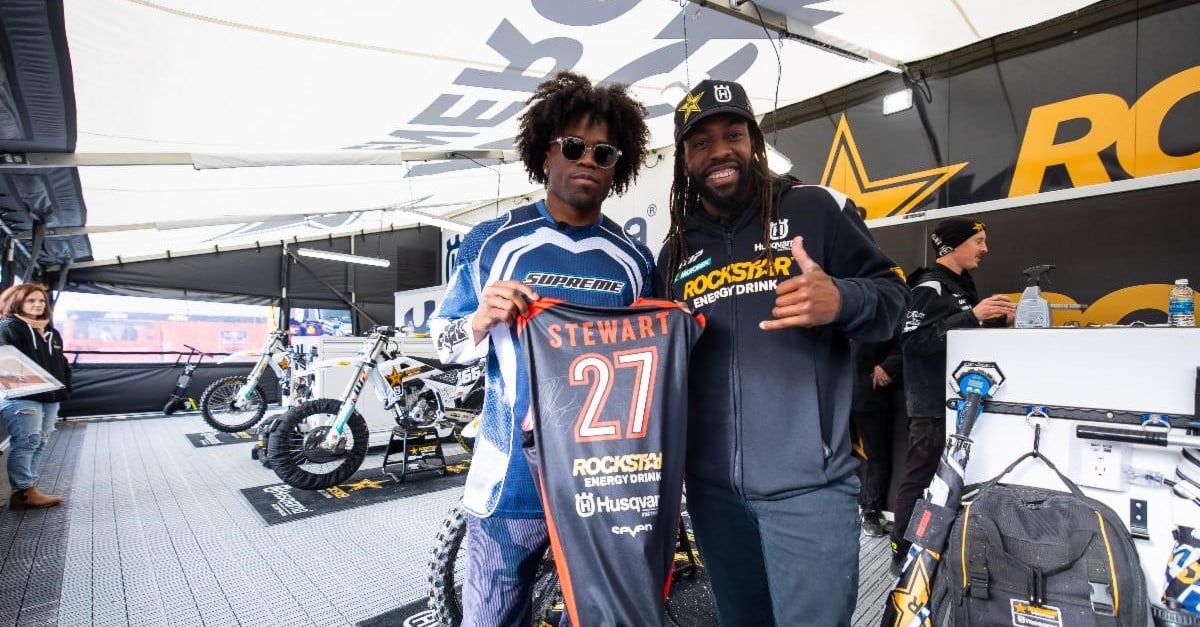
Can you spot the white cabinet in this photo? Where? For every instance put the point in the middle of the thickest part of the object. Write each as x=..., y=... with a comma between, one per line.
x=1140, y=370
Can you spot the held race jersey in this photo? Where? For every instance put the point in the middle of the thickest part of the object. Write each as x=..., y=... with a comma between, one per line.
x=605, y=436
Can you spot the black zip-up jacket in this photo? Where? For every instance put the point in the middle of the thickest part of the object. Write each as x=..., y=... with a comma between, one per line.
x=45, y=349
x=769, y=411
x=941, y=300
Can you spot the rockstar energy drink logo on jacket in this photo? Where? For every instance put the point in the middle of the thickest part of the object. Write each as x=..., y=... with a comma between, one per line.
x=742, y=277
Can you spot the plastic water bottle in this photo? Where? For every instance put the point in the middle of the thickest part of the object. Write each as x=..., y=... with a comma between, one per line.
x=1181, y=305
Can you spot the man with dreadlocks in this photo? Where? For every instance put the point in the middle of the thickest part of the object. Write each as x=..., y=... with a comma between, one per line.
x=785, y=275
x=582, y=142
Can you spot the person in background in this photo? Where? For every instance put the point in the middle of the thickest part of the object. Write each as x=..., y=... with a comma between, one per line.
x=784, y=275
x=30, y=419
x=582, y=142
x=943, y=298
x=878, y=405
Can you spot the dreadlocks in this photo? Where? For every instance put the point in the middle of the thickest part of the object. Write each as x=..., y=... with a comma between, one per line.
x=561, y=101
x=685, y=195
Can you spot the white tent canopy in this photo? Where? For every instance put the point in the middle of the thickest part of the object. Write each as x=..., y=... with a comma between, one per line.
x=217, y=83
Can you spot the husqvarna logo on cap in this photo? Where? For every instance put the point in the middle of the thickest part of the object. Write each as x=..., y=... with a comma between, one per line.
x=711, y=97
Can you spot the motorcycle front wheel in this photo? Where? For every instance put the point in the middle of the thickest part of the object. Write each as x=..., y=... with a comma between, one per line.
x=448, y=573
x=218, y=409
x=448, y=569
x=295, y=453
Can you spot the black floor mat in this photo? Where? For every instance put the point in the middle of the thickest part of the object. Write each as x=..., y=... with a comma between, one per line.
x=280, y=502
x=217, y=438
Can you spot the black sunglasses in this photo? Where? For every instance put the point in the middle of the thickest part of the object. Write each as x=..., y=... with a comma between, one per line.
x=605, y=155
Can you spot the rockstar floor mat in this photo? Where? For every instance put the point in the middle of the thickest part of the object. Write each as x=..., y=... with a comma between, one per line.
x=279, y=502
x=217, y=438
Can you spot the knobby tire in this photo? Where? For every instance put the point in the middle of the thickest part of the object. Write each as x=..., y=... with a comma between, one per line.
x=285, y=448
x=217, y=398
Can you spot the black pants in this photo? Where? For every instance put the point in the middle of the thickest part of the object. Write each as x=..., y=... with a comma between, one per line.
x=926, y=440
x=872, y=432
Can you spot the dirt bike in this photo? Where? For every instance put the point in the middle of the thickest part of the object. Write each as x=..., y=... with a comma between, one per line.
x=321, y=442
x=179, y=398
x=236, y=403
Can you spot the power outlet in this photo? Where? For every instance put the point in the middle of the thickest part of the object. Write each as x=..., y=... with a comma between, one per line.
x=1100, y=464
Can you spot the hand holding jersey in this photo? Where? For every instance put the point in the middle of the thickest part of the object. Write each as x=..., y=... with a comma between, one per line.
x=808, y=300
x=501, y=302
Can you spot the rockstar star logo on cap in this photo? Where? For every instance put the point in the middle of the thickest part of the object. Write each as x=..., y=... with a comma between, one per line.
x=691, y=105
x=977, y=227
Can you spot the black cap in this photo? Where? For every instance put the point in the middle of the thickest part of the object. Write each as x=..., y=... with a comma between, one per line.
x=952, y=232
x=711, y=97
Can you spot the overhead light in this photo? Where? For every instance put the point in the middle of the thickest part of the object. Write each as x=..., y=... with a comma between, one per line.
x=897, y=101
x=777, y=162
x=445, y=223
x=343, y=257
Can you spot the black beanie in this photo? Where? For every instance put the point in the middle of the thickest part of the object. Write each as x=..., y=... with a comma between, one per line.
x=952, y=232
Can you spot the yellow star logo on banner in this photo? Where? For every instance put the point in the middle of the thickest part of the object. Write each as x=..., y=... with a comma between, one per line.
x=363, y=485
x=845, y=172
x=691, y=104
x=394, y=377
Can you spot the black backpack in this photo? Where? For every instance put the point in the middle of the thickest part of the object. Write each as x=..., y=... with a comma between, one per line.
x=1019, y=555
x=265, y=429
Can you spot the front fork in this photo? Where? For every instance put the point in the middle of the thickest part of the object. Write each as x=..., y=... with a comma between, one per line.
x=247, y=390
x=333, y=438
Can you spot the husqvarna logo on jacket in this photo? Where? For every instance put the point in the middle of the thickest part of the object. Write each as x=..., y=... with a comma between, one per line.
x=779, y=229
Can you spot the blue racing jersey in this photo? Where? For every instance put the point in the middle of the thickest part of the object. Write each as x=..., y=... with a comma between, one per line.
x=589, y=265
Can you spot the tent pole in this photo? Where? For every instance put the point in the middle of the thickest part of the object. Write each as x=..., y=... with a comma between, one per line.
x=285, y=303
x=342, y=297
x=39, y=239
x=6, y=261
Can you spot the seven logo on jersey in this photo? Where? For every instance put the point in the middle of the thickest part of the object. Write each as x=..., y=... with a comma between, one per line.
x=632, y=531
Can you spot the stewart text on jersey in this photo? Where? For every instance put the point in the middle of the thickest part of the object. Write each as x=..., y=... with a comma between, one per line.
x=594, y=265
x=606, y=434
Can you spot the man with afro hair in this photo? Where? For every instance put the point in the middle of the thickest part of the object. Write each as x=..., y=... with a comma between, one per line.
x=583, y=142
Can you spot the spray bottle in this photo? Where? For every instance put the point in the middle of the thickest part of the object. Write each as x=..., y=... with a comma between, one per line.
x=1033, y=312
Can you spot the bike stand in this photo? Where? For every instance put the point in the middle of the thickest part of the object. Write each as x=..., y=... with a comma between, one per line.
x=421, y=451
x=683, y=543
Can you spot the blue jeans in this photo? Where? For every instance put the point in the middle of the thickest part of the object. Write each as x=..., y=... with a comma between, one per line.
x=503, y=555
x=788, y=562
x=29, y=424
